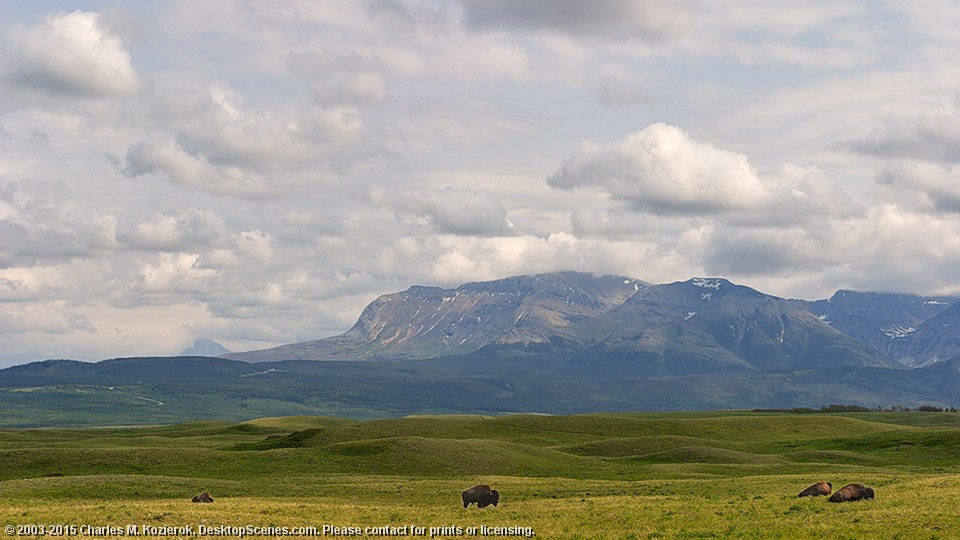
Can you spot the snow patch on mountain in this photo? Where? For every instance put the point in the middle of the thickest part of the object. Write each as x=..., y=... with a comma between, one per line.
x=707, y=283
x=898, y=332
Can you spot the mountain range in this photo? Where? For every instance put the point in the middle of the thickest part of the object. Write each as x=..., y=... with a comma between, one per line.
x=618, y=324
x=562, y=342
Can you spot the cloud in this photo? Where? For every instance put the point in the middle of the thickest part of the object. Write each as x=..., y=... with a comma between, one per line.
x=931, y=133
x=358, y=89
x=60, y=286
x=192, y=170
x=173, y=274
x=812, y=35
x=448, y=210
x=208, y=138
x=52, y=318
x=318, y=62
x=766, y=251
x=38, y=221
x=888, y=248
x=648, y=20
x=615, y=92
x=215, y=123
x=919, y=153
x=255, y=245
x=176, y=231
x=661, y=170
x=71, y=53
x=935, y=186
x=451, y=260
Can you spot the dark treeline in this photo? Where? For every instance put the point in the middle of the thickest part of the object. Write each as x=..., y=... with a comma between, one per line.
x=834, y=408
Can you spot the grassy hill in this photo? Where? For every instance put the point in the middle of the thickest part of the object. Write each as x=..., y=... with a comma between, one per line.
x=141, y=391
x=719, y=474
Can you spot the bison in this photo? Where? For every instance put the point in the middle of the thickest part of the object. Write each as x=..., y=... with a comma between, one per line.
x=852, y=492
x=482, y=495
x=202, y=498
x=820, y=488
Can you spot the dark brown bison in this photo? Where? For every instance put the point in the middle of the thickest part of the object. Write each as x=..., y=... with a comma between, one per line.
x=202, y=498
x=482, y=495
x=820, y=488
x=852, y=492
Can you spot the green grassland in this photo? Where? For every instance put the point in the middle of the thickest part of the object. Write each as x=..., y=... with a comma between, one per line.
x=626, y=475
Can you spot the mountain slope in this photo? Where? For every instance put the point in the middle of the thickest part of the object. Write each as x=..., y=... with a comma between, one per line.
x=884, y=321
x=611, y=324
x=934, y=340
x=706, y=325
x=425, y=322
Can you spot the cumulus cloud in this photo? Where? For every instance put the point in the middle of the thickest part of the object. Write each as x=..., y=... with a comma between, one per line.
x=181, y=167
x=255, y=245
x=173, y=273
x=52, y=318
x=887, y=248
x=766, y=251
x=919, y=153
x=190, y=229
x=647, y=20
x=934, y=186
x=35, y=292
x=215, y=142
x=38, y=221
x=661, y=170
x=72, y=53
x=931, y=133
x=216, y=123
x=448, y=210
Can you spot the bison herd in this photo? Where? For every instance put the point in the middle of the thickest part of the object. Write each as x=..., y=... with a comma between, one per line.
x=484, y=496
x=849, y=492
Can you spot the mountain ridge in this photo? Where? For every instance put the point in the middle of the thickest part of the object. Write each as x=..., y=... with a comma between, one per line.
x=424, y=322
x=701, y=325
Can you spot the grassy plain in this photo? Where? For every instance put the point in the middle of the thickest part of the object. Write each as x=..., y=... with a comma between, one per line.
x=643, y=475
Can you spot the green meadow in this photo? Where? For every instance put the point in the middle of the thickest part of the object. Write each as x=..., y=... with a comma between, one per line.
x=642, y=475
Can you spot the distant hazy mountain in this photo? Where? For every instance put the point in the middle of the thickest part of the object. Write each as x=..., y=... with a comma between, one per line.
x=934, y=340
x=883, y=321
x=205, y=347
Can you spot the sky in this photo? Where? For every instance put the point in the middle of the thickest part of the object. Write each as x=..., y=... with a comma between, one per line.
x=256, y=172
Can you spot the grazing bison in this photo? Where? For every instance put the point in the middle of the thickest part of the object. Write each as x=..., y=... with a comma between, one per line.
x=482, y=495
x=202, y=498
x=852, y=492
x=820, y=488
